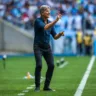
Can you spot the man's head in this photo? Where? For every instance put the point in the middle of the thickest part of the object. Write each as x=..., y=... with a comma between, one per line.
x=45, y=11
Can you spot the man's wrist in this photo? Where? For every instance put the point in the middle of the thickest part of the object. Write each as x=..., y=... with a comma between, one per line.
x=56, y=19
x=59, y=34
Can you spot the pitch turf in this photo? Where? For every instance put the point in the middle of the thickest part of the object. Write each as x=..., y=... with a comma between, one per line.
x=65, y=80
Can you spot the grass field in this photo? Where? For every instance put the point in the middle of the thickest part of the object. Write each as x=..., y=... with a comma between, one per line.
x=65, y=80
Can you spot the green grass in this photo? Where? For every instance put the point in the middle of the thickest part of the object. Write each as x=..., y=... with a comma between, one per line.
x=90, y=88
x=65, y=80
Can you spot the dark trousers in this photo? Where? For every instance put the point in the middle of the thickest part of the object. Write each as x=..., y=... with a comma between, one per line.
x=79, y=49
x=40, y=51
x=88, y=50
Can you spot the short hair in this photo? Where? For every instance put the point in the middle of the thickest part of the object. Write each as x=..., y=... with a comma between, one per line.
x=43, y=8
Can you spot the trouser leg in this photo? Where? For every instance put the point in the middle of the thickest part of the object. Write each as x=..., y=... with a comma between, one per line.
x=50, y=63
x=38, y=58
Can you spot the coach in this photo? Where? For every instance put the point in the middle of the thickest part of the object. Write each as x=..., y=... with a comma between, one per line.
x=43, y=28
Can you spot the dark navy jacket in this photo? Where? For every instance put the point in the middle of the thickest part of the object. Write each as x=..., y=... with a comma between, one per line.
x=42, y=36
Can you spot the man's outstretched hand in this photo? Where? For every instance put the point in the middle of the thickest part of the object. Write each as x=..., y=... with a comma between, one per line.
x=61, y=33
x=58, y=16
x=57, y=36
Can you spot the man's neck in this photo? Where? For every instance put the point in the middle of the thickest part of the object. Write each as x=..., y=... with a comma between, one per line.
x=45, y=19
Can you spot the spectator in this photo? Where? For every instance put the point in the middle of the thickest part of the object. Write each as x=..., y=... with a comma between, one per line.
x=79, y=39
x=90, y=21
x=90, y=7
x=26, y=20
x=2, y=10
x=8, y=17
x=77, y=22
x=70, y=22
x=88, y=44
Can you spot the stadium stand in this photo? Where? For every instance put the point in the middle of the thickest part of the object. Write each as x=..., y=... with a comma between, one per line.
x=23, y=12
x=76, y=15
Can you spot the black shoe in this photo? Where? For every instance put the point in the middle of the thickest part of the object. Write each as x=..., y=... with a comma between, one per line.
x=37, y=89
x=48, y=89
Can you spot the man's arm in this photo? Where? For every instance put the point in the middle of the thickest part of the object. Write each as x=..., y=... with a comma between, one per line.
x=57, y=36
x=49, y=25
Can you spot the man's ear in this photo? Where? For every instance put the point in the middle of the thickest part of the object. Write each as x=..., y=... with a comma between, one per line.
x=42, y=13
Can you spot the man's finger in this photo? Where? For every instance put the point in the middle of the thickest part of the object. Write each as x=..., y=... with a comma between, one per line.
x=63, y=33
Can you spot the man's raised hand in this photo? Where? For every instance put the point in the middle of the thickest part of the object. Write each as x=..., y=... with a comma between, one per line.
x=58, y=16
x=61, y=33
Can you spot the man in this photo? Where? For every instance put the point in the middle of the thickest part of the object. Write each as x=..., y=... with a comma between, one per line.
x=43, y=28
x=88, y=44
x=79, y=38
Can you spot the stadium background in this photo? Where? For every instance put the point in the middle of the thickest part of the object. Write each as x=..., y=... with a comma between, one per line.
x=17, y=17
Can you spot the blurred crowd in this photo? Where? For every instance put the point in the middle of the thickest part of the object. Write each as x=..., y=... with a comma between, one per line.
x=76, y=14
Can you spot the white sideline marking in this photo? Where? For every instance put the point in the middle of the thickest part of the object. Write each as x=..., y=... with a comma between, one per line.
x=85, y=77
x=25, y=91
x=63, y=65
x=21, y=94
x=30, y=87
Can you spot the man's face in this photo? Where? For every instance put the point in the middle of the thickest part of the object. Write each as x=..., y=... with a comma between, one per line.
x=46, y=13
